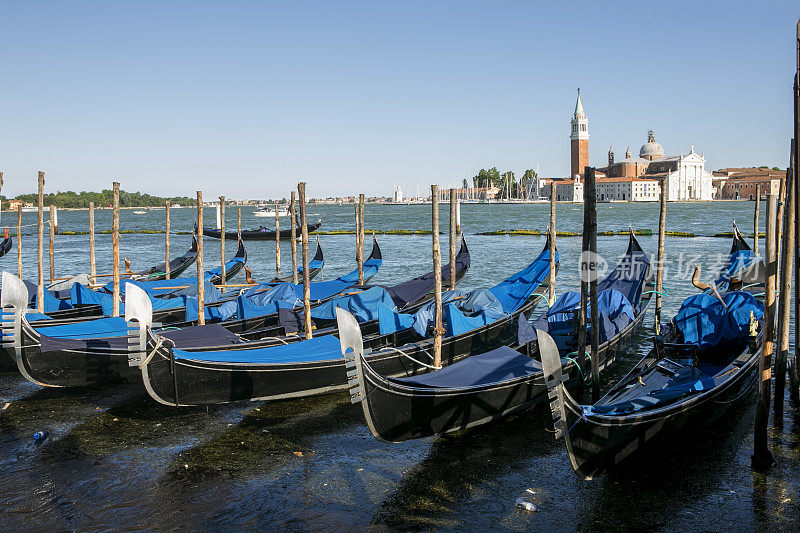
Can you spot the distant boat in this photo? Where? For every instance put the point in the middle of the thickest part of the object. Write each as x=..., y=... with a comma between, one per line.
x=139, y=212
x=267, y=212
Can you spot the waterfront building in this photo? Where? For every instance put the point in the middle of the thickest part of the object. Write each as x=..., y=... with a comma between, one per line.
x=741, y=183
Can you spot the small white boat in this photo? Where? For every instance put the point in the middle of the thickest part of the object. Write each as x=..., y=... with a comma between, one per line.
x=267, y=212
x=140, y=212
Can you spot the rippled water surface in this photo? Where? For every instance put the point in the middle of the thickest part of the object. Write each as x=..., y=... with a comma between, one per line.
x=115, y=459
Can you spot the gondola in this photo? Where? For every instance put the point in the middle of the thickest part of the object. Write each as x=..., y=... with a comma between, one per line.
x=182, y=377
x=314, y=268
x=5, y=246
x=61, y=353
x=685, y=382
x=259, y=234
x=493, y=384
x=703, y=364
x=158, y=272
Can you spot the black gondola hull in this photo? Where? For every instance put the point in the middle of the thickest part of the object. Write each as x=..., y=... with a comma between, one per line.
x=199, y=382
x=397, y=413
x=256, y=235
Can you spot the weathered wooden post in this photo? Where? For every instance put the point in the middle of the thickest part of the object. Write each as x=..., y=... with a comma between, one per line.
x=762, y=457
x=115, y=247
x=92, y=258
x=277, y=242
x=784, y=300
x=54, y=218
x=301, y=193
x=795, y=372
x=293, y=215
x=360, y=249
x=52, y=246
x=590, y=197
x=40, y=257
x=19, y=240
x=239, y=219
x=755, y=218
x=552, y=276
x=437, y=278
x=453, y=207
x=662, y=234
x=224, y=278
x=201, y=278
x=166, y=240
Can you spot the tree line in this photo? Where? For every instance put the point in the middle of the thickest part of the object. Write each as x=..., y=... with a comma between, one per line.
x=507, y=182
x=70, y=199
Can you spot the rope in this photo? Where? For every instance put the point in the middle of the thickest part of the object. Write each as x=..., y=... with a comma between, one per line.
x=663, y=293
x=588, y=355
x=153, y=353
x=582, y=418
x=401, y=352
x=574, y=362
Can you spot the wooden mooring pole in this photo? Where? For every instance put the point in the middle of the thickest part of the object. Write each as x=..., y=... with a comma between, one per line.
x=453, y=207
x=115, y=246
x=360, y=238
x=166, y=240
x=762, y=457
x=590, y=226
x=662, y=233
x=224, y=275
x=277, y=242
x=40, y=250
x=551, y=298
x=795, y=370
x=756, y=211
x=92, y=258
x=239, y=219
x=19, y=240
x=784, y=300
x=201, y=292
x=52, y=245
x=301, y=193
x=292, y=215
x=437, y=278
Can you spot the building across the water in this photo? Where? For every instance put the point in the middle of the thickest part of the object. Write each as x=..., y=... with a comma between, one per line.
x=741, y=183
x=632, y=179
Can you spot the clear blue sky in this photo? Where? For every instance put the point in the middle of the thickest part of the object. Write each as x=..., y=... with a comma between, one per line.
x=247, y=98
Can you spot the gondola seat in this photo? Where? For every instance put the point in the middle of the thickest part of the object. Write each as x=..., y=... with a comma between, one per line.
x=500, y=364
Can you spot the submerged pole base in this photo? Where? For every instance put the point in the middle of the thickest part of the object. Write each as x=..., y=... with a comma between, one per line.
x=762, y=460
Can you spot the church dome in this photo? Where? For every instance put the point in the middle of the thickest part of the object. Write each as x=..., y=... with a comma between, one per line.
x=651, y=149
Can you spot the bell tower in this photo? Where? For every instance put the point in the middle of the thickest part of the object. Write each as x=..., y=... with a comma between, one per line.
x=579, y=139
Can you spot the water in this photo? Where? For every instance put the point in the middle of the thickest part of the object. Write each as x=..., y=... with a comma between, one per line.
x=116, y=459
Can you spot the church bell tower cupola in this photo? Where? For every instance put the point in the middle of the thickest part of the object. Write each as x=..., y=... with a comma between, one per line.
x=611, y=156
x=579, y=139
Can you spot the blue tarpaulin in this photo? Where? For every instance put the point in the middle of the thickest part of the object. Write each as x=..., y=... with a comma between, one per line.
x=704, y=321
x=82, y=295
x=737, y=261
x=91, y=329
x=363, y=305
x=515, y=290
x=323, y=348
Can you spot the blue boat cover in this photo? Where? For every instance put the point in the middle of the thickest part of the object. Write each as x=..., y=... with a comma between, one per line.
x=51, y=303
x=515, y=290
x=91, y=329
x=363, y=305
x=192, y=309
x=737, y=261
x=186, y=286
x=82, y=295
x=614, y=311
x=686, y=381
x=498, y=365
x=704, y=322
x=323, y=348
x=390, y=321
x=320, y=290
